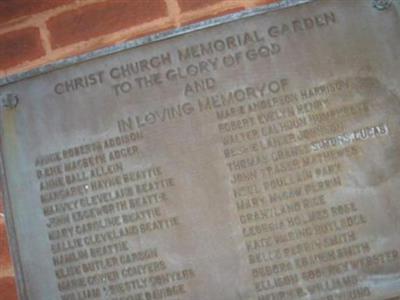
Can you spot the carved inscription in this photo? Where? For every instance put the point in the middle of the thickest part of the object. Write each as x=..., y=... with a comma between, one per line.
x=94, y=207
x=298, y=243
x=256, y=160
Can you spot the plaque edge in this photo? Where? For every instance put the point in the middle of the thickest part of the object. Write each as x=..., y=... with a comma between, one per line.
x=13, y=244
x=160, y=36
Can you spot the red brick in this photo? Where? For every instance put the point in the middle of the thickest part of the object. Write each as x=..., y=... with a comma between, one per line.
x=5, y=260
x=187, y=5
x=8, y=289
x=264, y=2
x=98, y=44
x=102, y=18
x=19, y=46
x=12, y=9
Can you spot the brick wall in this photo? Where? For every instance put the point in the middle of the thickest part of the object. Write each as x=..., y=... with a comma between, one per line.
x=37, y=32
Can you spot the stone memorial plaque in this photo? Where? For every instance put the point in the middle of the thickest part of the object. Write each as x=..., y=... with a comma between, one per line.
x=257, y=159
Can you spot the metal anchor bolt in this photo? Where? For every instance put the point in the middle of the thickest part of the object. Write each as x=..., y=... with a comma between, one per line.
x=9, y=101
x=382, y=4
